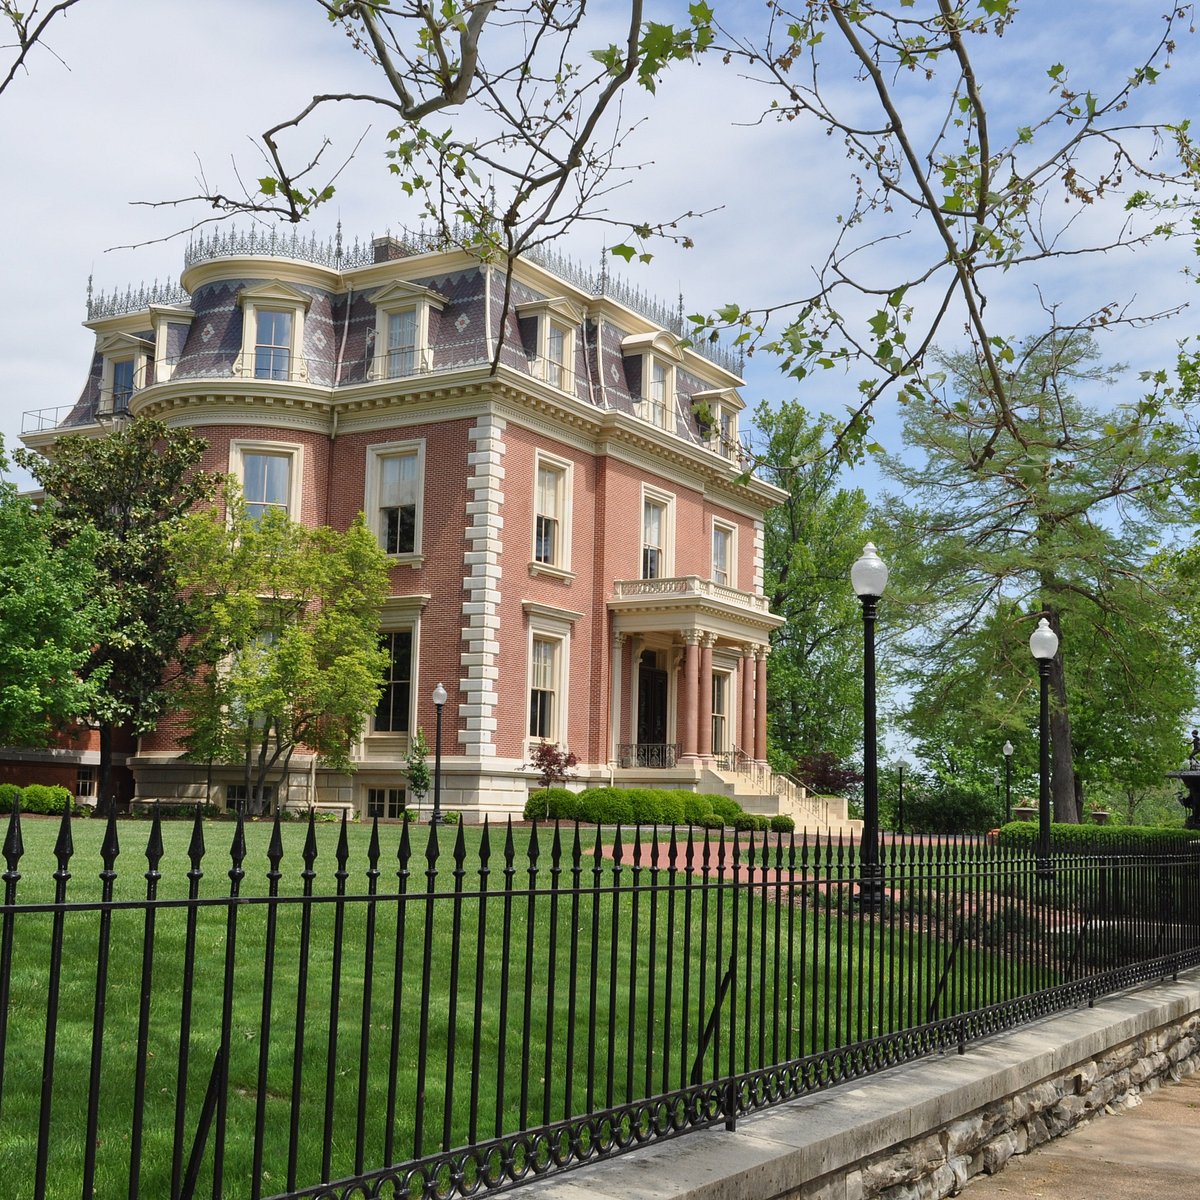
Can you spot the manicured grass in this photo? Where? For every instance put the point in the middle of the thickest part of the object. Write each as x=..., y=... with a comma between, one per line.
x=602, y=995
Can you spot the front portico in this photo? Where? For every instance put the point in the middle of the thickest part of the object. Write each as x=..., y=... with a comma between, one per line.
x=688, y=673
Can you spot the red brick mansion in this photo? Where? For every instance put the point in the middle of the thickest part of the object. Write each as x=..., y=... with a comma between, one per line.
x=576, y=548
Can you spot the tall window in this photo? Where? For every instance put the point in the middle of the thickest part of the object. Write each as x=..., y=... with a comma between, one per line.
x=720, y=700
x=391, y=714
x=122, y=384
x=543, y=687
x=398, y=481
x=556, y=354
x=402, y=343
x=85, y=784
x=722, y=554
x=654, y=522
x=548, y=531
x=266, y=482
x=272, y=344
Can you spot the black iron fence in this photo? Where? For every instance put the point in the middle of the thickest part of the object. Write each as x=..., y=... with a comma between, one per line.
x=443, y=1012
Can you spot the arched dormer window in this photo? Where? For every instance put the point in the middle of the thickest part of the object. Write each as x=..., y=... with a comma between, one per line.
x=273, y=333
x=661, y=355
x=548, y=331
x=402, y=329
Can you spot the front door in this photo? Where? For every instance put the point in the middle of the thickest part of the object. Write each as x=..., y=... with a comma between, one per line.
x=652, y=711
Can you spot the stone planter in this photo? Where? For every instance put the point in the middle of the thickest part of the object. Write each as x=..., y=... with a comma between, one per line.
x=1024, y=812
x=1099, y=817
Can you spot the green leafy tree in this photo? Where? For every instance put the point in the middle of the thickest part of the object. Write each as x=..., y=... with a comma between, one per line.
x=128, y=491
x=417, y=766
x=49, y=618
x=288, y=640
x=1045, y=509
x=809, y=543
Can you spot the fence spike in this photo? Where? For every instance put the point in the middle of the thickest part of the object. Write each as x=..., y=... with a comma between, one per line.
x=432, y=853
x=110, y=847
x=373, y=851
x=460, y=848
x=275, y=848
x=485, y=847
x=403, y=853
x=237, y=852
x=510, y=852
x=309, y=854
x=617, y=849
x=556, y=850
x=64, y=846
x=14, y=844
x=342, y=854
x=154, y=845
x=195, y=850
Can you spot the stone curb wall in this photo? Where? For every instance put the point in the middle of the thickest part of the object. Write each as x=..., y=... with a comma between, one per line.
x=941, y=1163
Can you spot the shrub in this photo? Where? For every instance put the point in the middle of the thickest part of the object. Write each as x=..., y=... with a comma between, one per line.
x=451, y=817
x=9, y=794
x=751, y=823
x=52, y=801
x=947, y=806
x=725, y=808
x=606, y=806
x=1117, y=839
x=698, y=809
x=549, y=803
x=782, y=823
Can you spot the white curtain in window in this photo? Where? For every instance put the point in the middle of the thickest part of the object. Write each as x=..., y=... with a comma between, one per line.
x=652, y=526
x=549, y=481
x=398, y=481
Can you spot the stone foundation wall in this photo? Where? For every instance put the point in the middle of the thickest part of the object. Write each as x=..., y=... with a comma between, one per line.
x=942, y=1162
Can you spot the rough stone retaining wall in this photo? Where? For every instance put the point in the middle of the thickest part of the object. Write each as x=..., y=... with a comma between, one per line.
x=923, y=1130
x=941, y=1163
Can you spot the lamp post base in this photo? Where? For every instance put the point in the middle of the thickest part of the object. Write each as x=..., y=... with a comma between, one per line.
x=870, y=888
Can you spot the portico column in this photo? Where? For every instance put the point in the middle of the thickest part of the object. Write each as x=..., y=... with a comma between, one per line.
x=704, y=715
x=691, y=683
x=746, y=740
x=760, y=707
x=614, y=697
x=635, y=653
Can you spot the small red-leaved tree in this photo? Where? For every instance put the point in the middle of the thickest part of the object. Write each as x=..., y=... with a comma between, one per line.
x=553, y=763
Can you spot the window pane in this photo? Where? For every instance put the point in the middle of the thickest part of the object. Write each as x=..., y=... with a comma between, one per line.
x=720, y=564
x=555, y=354
x=543, y=682
x=265, y=483
x=398, y=486
x=122, y=383
x=273, y=349
x=391, y=714
x=402, y=343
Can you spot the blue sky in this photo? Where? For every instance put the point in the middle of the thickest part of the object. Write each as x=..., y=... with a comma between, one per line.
x=139, y=98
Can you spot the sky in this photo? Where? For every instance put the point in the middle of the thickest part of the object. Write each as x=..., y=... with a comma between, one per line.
x=136, y=101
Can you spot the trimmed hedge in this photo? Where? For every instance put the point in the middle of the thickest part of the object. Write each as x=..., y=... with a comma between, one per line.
x=37, y=798
x=635, y=806
x=1137, y=838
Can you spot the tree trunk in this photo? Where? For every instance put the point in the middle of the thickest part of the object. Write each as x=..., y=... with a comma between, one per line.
x=106, y=799
x=1062, y=759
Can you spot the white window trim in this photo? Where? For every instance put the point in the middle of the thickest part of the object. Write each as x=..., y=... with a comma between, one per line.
x=117, y=348
x=375, y=454
x=548, y=623
x=727, y=402
x=239, y=448
x=731, y=566
x=562, y=568
x=565, y=315
x=667, y=500
x=663, y=348
x=272, y=297
x=400, y=613
x=400, y=296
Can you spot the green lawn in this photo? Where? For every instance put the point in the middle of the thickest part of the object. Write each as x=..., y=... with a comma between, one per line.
x=518, y=975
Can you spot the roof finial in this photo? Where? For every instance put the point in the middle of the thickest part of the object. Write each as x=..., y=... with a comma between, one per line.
x=337, y=253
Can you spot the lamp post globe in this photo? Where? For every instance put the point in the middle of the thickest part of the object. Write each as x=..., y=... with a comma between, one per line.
x=868, y=577
x=1043, y=645
x=440, y=696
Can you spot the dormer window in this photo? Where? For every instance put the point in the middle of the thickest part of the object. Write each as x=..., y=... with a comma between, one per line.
x=273, y=333
x=548, y=331
x=717, y=420
x=402, y=345
x=125, y=358
x=660, y=355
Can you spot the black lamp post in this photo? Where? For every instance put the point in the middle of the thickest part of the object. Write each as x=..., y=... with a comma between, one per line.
x=869, y=577
x=1043, y=645
x=439, y=699
x=901, y=767
x=1008, y=753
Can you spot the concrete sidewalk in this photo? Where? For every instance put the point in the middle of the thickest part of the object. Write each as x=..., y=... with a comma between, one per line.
x=1143, y=1153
